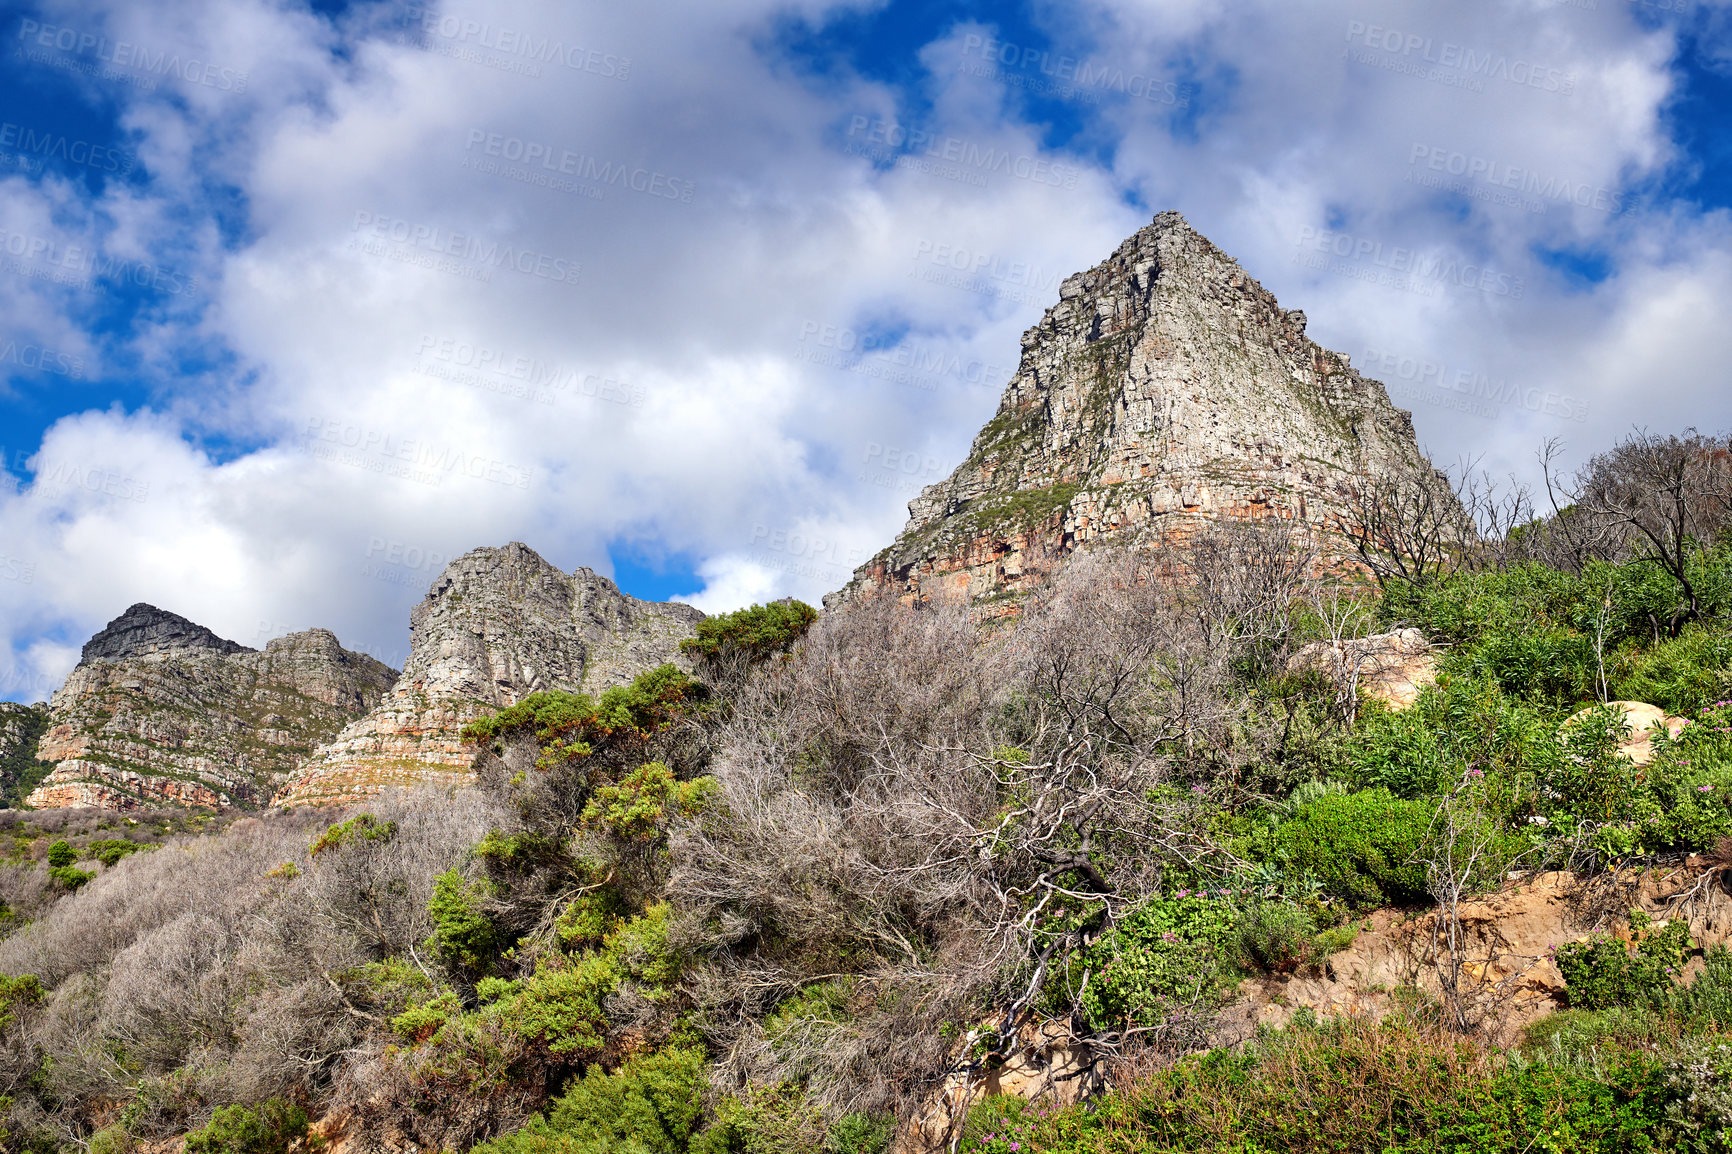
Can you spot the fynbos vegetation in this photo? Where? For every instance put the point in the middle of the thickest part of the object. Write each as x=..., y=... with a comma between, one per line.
x=817, y=892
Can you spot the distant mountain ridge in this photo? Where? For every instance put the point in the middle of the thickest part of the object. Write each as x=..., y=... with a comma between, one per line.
x=162, y=710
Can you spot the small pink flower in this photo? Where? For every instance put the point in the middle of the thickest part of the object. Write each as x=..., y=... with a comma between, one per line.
x=1703, y=788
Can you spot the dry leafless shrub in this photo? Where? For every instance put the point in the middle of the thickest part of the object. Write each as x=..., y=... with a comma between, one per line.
x=904, y=802
x=206, y=957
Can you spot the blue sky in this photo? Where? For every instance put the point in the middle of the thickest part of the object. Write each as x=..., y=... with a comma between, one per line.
x=300, y=302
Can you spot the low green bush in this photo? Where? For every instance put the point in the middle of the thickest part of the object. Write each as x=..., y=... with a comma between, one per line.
x=860, y=1134
x=270, y=1128
x=1398, y=1087
x=1682, y=675
x=1360, y=847
x=757, y=631
x=109, y=851
x=70, y=876
x=1603, y=972
x=1170, y=952
x=61, y=854
x=1275, y=937
x=464, y=937
x=362, y=827
x=651, y=1105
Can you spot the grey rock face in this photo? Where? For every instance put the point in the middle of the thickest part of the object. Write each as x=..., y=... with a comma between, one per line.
x=162, y=711
x=1165, y=388
x=496, y=626
x=145, y=629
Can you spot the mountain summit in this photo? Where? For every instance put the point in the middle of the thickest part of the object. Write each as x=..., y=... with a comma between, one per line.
x=1164, y=389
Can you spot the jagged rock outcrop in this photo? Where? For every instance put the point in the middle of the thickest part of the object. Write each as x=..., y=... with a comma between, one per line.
x=1165, y=387
x=497, y=625
x=162, y=711
x=144, y=629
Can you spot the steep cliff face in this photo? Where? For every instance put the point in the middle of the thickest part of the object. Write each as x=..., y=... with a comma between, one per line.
x=162, y=711
x=1165, y=388
x=497, y=625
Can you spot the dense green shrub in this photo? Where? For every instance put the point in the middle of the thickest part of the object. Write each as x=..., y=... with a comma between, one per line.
x=860, y=1134
x=267, y=1129
x=464, y=936
x=1169, y=952
x=1706, y=1004
x=763, y=1120
x=23, y=990
x=572, y=726
x=109, y=851
x=70, y=876
x=1603, y=972
x=1276, y=937
x=1360, y=847
x=640, y=806
x=362, y=827
x=1427, y=748
x=1681, y=675
x=651, y=1105
x=756, y=632
x=1397, y=1088
x=61, y=854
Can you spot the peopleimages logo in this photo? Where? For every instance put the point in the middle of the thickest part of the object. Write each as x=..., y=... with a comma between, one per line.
x=121, y=54
x=444, y=242
x=77, y=266
x=951, y=156
x=43, y=360
x=1410, y=262
x=520, y=43
x=1500, y=175
x=563, y=161
x=1084, y=78
x=44, y=146
x=1476, y=389
x=1411, y=51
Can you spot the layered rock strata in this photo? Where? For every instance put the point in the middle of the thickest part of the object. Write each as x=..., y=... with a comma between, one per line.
x=162, y=711
x=1165, y=388
x=497, y=625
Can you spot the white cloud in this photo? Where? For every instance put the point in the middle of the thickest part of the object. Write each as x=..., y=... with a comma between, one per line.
x=758, y=360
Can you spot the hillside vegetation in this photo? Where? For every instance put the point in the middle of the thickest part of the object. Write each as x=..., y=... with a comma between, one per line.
x=775, y=905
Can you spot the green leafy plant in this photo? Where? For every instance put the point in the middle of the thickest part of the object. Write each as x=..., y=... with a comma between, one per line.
x=757, y=632
x=1360, y=847
x=639, y=807
x=1603, y=972
x=270, y=1128
x=61, y=854
x=570, y=727
x=651, y=1105
x=109, y=851
x=463, y=935
x=360, y=828
x=1169, y=952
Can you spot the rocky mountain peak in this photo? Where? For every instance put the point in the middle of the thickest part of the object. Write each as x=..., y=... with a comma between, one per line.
x=144, y=630
x=1165, y=388
x=498, y=624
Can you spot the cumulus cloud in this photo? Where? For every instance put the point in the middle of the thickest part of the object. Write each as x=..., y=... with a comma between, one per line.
x=630, y=276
